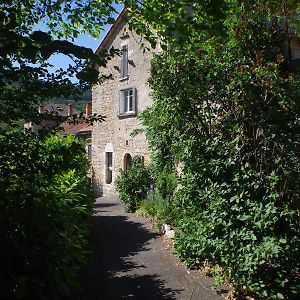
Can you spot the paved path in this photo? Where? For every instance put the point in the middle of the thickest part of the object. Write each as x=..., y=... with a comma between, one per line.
x=131, y=261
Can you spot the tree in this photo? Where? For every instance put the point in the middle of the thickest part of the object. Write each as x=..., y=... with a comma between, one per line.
x=24, y=51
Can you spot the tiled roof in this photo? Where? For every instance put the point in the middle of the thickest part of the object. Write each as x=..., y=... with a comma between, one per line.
x=75, y=128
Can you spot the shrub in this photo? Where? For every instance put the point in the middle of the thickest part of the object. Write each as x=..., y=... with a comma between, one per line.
x=134, y=184
x=45, y=204
x=165, y=183
x=161, y=210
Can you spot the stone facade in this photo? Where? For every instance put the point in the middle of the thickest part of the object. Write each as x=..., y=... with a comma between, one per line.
x=112, y=144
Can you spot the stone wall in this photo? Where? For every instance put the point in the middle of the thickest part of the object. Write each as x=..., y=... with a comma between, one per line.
x=113, y=135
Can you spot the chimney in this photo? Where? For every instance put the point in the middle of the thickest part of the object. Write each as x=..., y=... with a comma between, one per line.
x=70, y=110
x=41, y=108
x=88, y=109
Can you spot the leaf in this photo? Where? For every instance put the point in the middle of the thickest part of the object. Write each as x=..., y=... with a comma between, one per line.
x=280, y=296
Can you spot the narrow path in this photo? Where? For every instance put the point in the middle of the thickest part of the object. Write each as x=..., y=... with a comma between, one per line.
x=132, y=262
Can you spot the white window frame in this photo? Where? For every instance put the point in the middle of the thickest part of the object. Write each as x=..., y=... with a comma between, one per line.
x=127, y=102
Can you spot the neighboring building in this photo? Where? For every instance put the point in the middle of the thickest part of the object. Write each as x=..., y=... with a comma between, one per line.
x=53, y=115
x=81, y=130
x=121, y=100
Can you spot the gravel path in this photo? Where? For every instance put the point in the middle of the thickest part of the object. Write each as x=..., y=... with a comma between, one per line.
x=131, y=261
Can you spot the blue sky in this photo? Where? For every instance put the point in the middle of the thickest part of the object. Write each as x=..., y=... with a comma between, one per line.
x=62, y=61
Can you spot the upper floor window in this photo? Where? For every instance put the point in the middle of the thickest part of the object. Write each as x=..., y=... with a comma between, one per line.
x=127, y=102
x=124, y=62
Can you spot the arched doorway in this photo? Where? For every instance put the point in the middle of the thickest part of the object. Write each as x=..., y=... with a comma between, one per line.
x=127, y=162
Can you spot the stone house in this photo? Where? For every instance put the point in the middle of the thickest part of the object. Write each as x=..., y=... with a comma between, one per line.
x=120, y=100
x=51, y=116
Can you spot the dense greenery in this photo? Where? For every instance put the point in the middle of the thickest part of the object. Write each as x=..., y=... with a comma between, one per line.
x=134, y=184
x=226, y=111
x=45, y=204
x=45, y=200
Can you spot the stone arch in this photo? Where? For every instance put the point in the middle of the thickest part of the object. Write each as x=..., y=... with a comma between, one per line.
x=127, y=162
x=109, y=147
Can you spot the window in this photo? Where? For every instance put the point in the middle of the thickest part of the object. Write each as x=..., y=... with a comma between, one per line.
x=108, y=167
x=124, y=62
x=127, y=102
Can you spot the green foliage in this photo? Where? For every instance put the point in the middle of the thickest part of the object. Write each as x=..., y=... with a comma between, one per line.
x=161, y=210
x=227, y=109
x=134, y=184
x=165, y=183
x=45, y=204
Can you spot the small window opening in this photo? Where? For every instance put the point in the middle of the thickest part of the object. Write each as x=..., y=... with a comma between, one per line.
x=108, y=167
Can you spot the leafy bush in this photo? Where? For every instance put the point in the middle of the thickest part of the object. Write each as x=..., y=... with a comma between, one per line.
x=165, y=183
x=161, y=210
x=134, y=184
x=45, y=204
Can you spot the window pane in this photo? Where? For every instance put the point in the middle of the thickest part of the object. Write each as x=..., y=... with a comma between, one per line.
x=109, y=159
x=130, y=102
x=126, y=102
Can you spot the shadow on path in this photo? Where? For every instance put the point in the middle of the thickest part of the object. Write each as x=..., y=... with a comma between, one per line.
x=113, y=272
x=101, y=205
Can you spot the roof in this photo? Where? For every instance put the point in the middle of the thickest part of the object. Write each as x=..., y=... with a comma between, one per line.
x=112, y=30
x=75, y=129
x=59, y=108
